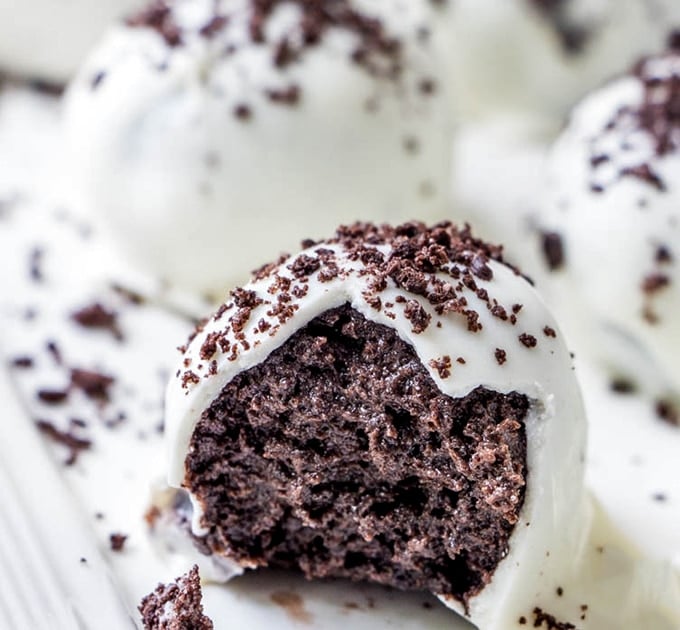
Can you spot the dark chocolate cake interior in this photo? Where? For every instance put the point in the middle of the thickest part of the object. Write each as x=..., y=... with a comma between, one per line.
x=340, y=457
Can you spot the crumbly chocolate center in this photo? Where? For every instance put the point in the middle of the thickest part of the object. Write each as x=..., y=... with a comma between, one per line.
x=340, y=457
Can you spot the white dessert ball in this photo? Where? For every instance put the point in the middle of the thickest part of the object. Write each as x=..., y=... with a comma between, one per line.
x=447, y=295
x=543, y=55
x=209, y=134
x=614, y=202
x=47, y=40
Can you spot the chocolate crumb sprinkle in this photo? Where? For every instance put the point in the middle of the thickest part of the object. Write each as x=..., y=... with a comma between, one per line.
x=442, y=365
x=54, y=351
x=52, y=396
x=243, y=112
x=117, y=541
x=528, y=340
x=622, y=386
x=35, y=263
x=159, y=17
x=553, y=250
x=545, y=620
x=654, y=282
x=93, y=384
x=98, y=317
x=667, y=412
x=22, y=362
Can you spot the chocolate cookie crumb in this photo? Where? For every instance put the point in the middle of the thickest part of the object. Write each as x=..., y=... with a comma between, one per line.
x=243, y=112
x=67, y=439
x=622, y=386
x=52, y=396
x=549, y=622
x=53, y=349
x=654, y=282
x=131, y=296
x=98, y=317
x=176, y=606
x=442, y=365
x=667, y=412
x=93, y=384
x=35, y=262
x=553, y=250
x=528, y=340
x=22, y=362
x=117, y=541
x=158, y=16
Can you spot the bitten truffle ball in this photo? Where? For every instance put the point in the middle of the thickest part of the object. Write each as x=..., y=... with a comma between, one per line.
x=394, y=405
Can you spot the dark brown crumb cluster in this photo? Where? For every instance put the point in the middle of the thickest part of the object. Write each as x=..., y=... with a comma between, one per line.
x=553, y=250
x=545, y=620
x=176, y=606
x=69, y=439
x=99, y=317
x=117, y=541
x=35, y=264
x=94, y=385
x=338, y=456
x=658, y=116
x=667, y=412
x=377, y=51
x=655, y=282
x=549, y=622
x=159, y=17
x=441, y=265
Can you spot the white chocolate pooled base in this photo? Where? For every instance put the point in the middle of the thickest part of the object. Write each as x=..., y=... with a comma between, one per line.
x=162, y=157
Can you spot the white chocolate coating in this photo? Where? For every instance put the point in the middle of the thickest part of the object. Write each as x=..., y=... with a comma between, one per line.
x=48, y=39
x=160, y=154
x=620, y=231
x=550, y=531
x=508, y=54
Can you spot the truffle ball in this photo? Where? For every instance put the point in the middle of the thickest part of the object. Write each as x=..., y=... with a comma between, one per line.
x=614, y=203
x=210, y=134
